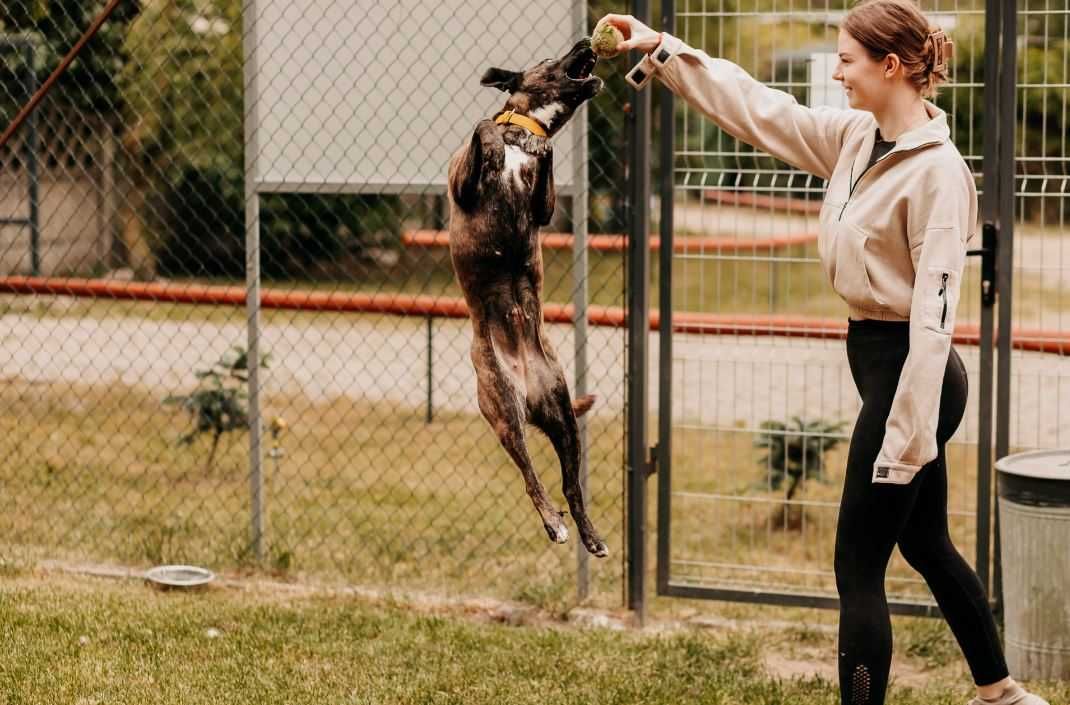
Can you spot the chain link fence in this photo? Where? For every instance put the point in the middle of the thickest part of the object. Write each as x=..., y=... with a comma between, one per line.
x=124, y=407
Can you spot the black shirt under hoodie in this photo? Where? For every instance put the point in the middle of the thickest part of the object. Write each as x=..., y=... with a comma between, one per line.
x=880, y=148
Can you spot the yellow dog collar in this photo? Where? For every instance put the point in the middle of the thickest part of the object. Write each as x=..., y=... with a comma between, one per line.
x=524, y=121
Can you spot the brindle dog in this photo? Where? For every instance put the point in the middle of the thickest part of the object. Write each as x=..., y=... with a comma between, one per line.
x=501, y=189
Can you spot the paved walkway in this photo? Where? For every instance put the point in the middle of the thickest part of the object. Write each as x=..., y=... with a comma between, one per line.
x=725, y=381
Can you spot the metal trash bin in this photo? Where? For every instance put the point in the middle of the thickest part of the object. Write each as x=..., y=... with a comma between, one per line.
x=1034, y=532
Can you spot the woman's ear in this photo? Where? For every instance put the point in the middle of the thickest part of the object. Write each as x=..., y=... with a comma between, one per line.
x=502, y=79
x=891, y=63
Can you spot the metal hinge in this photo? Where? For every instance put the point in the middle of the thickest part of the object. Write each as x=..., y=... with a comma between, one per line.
x=652, y=461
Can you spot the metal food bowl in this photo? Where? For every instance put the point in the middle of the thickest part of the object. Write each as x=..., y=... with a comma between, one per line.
x=179, y=576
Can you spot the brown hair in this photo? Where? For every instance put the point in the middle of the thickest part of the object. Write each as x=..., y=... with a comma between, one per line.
x=898, y=27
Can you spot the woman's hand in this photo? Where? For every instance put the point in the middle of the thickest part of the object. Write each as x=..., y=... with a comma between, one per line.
x=636, y=34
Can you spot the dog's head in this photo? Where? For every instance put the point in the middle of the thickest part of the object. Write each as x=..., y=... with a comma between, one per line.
x=551, y=90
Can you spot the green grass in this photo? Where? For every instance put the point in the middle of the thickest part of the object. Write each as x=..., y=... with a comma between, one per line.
x=366, y=493
x=371, y=494
x=71, y=639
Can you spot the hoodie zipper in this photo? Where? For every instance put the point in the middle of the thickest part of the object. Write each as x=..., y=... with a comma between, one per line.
x=943, y=295
x=854, y=183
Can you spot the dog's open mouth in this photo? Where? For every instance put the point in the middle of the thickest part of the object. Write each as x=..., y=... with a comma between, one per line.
x=581, y=68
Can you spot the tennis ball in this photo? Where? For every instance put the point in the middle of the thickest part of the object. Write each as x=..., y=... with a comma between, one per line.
x=605, y=39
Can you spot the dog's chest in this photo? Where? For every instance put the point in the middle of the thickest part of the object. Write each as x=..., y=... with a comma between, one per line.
x=518, y=169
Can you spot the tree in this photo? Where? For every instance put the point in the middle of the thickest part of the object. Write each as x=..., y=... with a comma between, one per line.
x=89, y=84
x=796, y=451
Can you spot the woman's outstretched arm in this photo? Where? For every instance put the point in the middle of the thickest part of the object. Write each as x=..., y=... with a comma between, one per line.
x=771, y=120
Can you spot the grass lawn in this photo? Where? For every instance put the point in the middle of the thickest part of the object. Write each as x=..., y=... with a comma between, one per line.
x=370, y=494
x=75, y=639
x=367, y=493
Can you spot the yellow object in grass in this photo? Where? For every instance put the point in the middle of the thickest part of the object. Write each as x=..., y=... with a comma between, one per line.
x=605, y=39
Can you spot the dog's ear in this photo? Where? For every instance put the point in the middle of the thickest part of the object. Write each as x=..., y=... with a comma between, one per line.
x=544, y=195
x=502, y=79
x=464, y=178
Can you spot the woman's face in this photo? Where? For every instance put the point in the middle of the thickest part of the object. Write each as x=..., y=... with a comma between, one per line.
x=863, y=78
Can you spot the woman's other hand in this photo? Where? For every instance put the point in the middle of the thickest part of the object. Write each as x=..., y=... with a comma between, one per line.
x=636, y=34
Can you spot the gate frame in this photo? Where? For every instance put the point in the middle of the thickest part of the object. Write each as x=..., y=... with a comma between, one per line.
x=997, y=216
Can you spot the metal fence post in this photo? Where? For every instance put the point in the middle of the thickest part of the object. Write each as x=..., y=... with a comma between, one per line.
x=252, y=275
x=1008, y=110
x=638, y=330
x=430, y=378
x=32, y=170
x=666, y=143
x=990, y=218
x=580, y=294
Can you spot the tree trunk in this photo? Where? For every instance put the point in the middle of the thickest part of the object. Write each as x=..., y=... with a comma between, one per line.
x=787, y=516
x=211, y=454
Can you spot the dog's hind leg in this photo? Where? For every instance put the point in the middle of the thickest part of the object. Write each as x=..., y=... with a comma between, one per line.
x=553, y=413
x=501, y=400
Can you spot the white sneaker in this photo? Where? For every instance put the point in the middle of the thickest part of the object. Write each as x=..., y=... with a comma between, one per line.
x=1013, y=694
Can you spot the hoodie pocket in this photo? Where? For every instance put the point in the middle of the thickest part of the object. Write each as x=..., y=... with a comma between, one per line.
x=941, y=298
x=851, y=272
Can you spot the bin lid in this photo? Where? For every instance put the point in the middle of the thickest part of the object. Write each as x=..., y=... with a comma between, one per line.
x=1039, y=478
x=1041, y=464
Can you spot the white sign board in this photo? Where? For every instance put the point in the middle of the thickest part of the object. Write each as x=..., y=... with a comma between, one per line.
x=364, y=96
x=823, y=90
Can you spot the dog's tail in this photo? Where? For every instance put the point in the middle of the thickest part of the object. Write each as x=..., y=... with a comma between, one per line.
x=582, y=405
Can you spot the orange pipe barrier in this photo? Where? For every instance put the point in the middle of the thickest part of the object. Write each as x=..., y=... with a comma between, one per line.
x=618, y=243
x=1035, y=340
x=746, y=198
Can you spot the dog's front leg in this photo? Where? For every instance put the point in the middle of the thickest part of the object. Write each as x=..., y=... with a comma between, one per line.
x=544, y=196
x=483, y=154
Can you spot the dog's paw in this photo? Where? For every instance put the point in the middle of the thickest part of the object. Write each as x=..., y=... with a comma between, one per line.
x=596, y=547
x=558, y=533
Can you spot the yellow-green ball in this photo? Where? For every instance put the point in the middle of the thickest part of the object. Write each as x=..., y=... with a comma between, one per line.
x=605, y=40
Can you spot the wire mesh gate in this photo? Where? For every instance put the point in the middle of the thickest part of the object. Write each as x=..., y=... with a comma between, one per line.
x=731, y=524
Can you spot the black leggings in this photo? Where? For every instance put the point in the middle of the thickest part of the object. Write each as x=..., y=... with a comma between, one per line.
x=874, y=517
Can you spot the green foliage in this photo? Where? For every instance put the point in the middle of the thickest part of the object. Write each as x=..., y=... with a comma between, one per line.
x=218, y=404
x=300, y=234
x=55, y=26
x=796, y=450
x=184, y=92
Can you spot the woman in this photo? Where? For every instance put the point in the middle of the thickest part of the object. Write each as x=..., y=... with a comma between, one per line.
x=899, y=209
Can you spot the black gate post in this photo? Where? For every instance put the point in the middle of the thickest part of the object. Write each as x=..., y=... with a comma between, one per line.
x=1008, y=111
x=638, y=330
x=666, y=141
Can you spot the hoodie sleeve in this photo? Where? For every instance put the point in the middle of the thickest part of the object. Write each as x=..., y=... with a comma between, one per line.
x=938, y=250
x=771, y=120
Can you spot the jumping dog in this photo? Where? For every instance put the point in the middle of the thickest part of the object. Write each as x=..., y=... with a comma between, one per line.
x=501, y=190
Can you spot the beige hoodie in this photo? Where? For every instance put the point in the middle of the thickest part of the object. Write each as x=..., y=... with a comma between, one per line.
x=892, y=239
